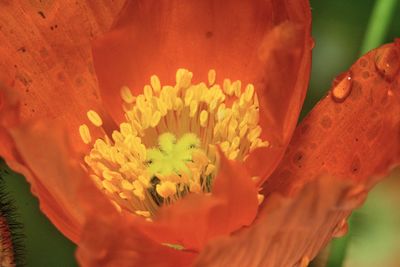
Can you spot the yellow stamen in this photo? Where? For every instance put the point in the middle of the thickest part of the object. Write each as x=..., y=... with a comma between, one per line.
x=126, y=95
x=203, y=118
x=85, y=133
x=94, y=118
x=166, y=189
x=211, y=77
x=145, y=214
x=155, y=83
x=166, y=147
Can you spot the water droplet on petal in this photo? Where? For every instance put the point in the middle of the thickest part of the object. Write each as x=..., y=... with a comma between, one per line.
x=387, y=62
x=363, y=62
x=342, y=86
x=356, y=91
x=312, y=43
x=365, y=75
x=313, y=146
x=305, y=260
x=326, y=122
x=341, y=229
x=374, y=130
x=353, y=198
x=304, y=129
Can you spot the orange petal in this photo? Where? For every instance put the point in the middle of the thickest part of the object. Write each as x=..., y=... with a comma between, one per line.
x=263, y=42
x=352, y=136
x=53, y=172
x=287, y=232
x=196, y=219
x=45, y=56
x=288, y=57
x=9, y=110
x=355, y=138
x=112, y=239
x=79, y=210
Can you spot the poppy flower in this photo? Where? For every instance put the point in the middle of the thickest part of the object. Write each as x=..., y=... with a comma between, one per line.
x=186, y=158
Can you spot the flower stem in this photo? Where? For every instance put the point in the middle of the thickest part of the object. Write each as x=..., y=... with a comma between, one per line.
x=378, y=24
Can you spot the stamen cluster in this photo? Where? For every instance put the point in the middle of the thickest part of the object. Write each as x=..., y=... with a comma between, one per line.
x=166, y=147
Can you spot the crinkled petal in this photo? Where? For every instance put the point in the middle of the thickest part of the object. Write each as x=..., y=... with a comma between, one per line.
x=45, y=56
x=113, y=238
x=54, y=172
x=266, y=43
x=196, y=219
x=289, y=231
x=46, y=72
x=110, y=238
x=79, y=209
x=354, y=139
x=288, y=61
x=9, y=116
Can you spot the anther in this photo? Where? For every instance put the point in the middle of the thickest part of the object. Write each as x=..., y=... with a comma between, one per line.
x=85, y=133
x=94, y=118
x=126, y=95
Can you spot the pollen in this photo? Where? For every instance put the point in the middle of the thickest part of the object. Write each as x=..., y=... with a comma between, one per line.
x=166, y=147
x=94, y=118
x=85, y=133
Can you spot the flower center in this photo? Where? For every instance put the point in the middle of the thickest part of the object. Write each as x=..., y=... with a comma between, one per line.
x=166, y=147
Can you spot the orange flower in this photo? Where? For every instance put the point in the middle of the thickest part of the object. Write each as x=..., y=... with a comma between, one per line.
x=184, y=172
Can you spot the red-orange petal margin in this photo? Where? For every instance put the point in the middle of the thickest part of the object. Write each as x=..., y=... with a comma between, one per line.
x=349, y=143
x=266, y=43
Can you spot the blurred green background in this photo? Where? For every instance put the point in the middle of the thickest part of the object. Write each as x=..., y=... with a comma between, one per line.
x=338, y=29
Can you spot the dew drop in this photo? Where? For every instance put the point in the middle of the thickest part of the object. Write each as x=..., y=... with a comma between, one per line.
x=326, y=122
x=365, y=75
x=363, y=62
x=312, y=43
x=61, y=76
x=43, y=52
x=353, y=198
x=338, y=109
x=313, y=146
x=374, y=130
x=374, y=115
x=304, y=129
x=385, y=98
x=356, y=91
x=341, y=228
x=387, y=62
x=305, y=260
x=342, y=86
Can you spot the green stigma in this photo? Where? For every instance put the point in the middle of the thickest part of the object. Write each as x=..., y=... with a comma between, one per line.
x=172, y=154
